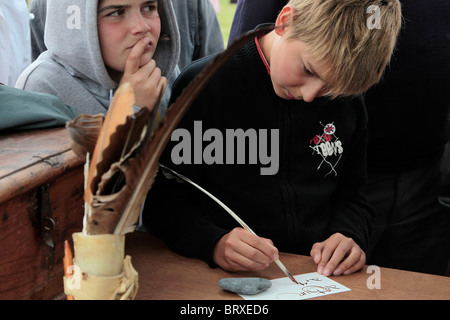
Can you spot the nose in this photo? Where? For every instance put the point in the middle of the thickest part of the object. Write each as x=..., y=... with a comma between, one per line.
x=311, y=90
x=138, y=24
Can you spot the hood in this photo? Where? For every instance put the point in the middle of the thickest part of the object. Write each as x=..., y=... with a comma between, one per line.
x=71, y=38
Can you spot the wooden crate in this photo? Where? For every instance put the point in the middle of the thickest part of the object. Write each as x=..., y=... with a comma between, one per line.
x=41, y=205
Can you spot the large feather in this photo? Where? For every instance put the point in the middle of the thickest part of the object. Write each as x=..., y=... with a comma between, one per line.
x=105, y=149
x=169, y=123
x=117, y=184
x=124, y=165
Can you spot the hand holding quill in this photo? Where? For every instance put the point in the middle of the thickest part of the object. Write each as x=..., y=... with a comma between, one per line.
x=170, y=173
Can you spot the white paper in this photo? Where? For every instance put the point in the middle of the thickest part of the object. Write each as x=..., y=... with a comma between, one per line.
x=310, y=285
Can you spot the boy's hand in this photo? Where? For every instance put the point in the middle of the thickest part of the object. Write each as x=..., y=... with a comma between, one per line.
x=146, y=80
x=241, y=250
x=338, y=255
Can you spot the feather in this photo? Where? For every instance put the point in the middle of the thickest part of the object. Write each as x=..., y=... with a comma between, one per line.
x=118, y=171
x=105, y=148
x=169, y=173
x=124, y=162
x=84, y=131
x=116, y=184
x=171, y=120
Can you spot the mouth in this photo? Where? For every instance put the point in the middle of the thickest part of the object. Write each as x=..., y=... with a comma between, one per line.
x=147, y=48
x=290, y=95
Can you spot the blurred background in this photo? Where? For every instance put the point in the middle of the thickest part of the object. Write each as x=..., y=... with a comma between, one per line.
x=225, y=15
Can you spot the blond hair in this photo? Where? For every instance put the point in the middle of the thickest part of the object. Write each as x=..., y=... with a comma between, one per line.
x=341, y=34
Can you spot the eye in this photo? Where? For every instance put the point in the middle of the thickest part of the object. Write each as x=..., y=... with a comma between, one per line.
x=309, y=73
x=116, y=13
x=150, y=8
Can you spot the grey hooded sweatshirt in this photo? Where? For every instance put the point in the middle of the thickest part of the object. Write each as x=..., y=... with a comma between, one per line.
x=72, y=68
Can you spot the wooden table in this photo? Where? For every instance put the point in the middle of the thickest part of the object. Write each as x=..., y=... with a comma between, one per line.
x=40, y=175
x=165, y=275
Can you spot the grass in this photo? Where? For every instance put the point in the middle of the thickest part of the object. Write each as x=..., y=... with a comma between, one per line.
x=225, y=16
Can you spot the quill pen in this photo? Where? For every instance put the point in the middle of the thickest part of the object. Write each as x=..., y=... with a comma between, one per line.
x=113, y=204
x=169, y=171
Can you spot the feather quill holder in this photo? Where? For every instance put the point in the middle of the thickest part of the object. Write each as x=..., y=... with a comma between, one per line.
x=108, y=177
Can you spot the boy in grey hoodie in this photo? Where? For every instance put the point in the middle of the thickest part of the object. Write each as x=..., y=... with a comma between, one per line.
x=94, y=45
x=200, y=33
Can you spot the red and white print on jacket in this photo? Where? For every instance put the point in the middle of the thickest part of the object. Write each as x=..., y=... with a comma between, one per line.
x=328, y=146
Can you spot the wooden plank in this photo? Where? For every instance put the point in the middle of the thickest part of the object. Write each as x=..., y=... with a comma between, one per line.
x=30, y=158
x=21, y=150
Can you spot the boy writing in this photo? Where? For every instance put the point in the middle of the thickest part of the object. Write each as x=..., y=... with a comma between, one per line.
x=300, y=81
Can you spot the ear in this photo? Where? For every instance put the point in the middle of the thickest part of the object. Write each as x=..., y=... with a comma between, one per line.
x=283, y=20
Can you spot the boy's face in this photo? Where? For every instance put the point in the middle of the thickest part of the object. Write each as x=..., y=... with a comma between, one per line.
x=121, y=24
x=295, y=76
